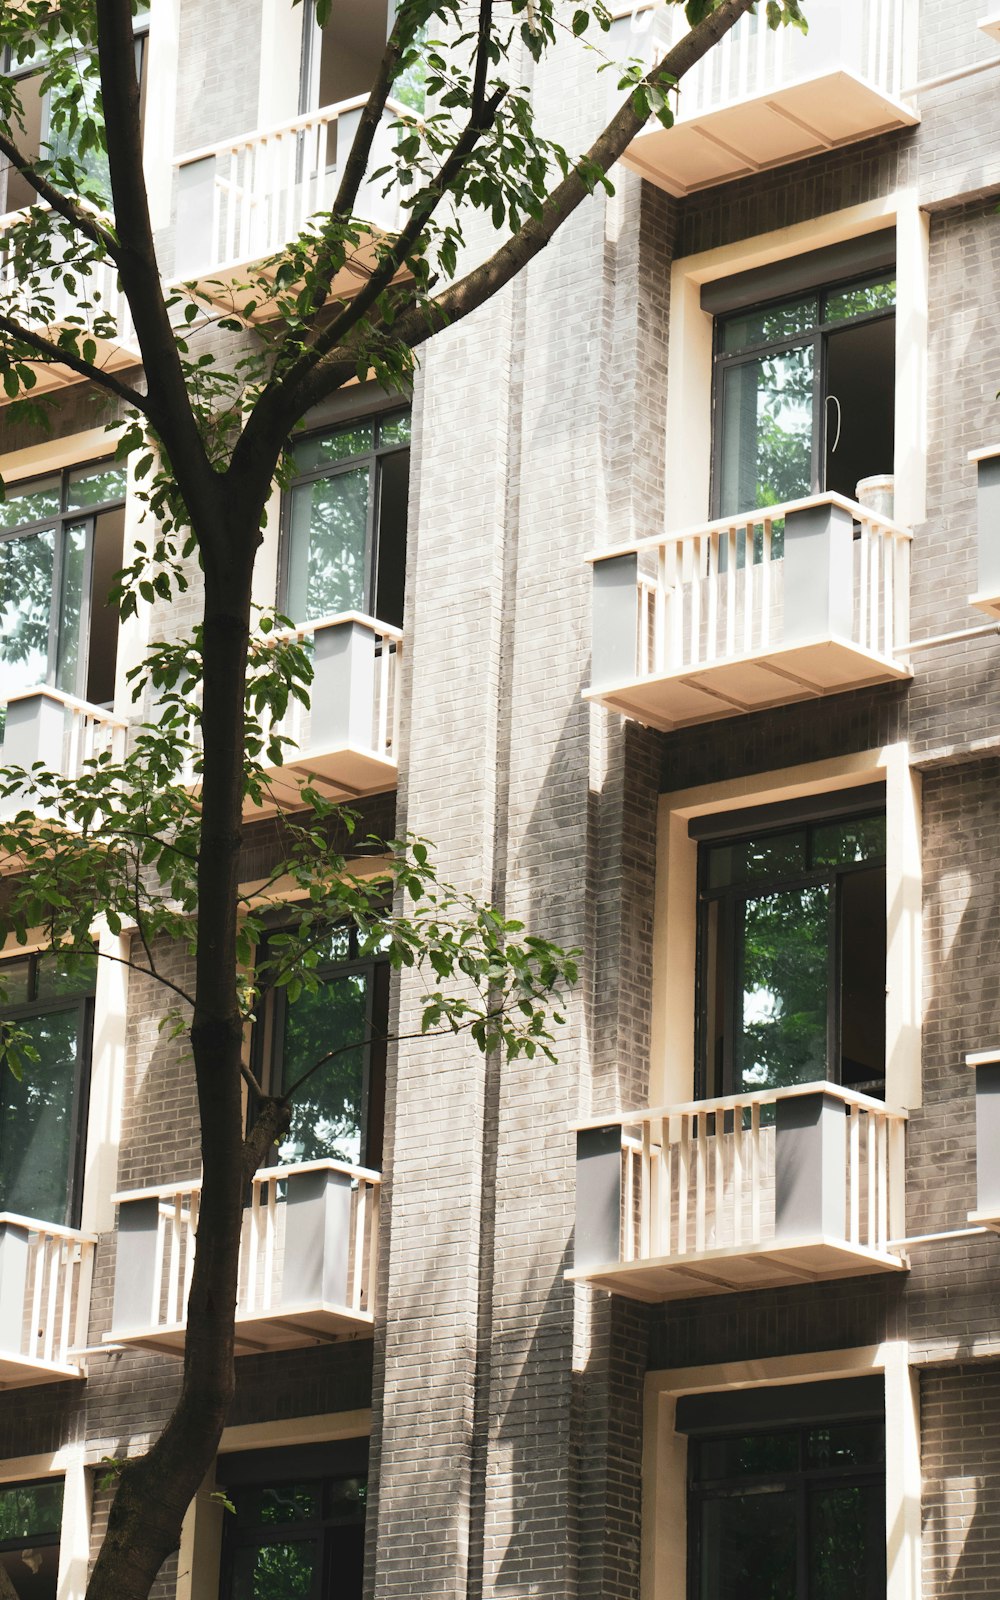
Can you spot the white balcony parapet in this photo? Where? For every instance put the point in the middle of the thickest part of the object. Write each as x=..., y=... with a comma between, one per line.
x=753, y=1191
x=243, y=200
x=725, y=618
x=308, y=1259
x=45, y=1279
x=92, y=292
x=987, y=463
x=764, y=97
x=985, y=1064
x=63, y=733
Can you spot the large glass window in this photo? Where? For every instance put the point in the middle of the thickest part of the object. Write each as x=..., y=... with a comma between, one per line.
x=792, y=1513
x=30, y=1520
x=804, y=395
x=298, y=1525
x=340, y=1030
x=61, y=542
x=43, y=1115
x=792, y=955
x=345, y=521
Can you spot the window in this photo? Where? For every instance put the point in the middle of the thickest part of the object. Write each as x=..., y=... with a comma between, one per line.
x=789, y=1513
x=340, y=1112
x=804, y=395
x=345, y=521
x=30, y=1519
x=38, y=138
x=341, y=60
x=43, y=1117
x=299, y=1525
x=61, y=541
x=792, y=948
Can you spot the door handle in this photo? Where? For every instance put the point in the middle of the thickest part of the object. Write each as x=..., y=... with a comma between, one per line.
x=832, y=399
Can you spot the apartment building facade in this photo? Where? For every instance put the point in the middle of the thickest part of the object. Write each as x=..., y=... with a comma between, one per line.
x=663, y=609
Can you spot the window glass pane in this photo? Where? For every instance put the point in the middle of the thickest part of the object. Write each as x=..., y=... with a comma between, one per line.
x=63, y=141
x=33, y=1570
x=775, y=856
x=73, y=576
x=846, y=1444
x=58, y=977
x=395, y=430
x=767, y=431
x=860, y=300
x=276, y=1571
x=95, y=486
x=769, y=324
x=28, y=1510
x=25, y=606
x=346, y=1499
x=847, y=1542
x=328, y=546
x=862, y=981
x=275, y=1506
x=748, y=1547
x=29, y=502
x=748, y=1455
x=839, y=843
x=326, y=1115
x=324, y=448
x=783, y=988
x=36, y=1121
x=15, y=978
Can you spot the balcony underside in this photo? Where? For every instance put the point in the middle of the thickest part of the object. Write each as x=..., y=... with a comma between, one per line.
x=738, y=1269
x=985, y=1219
x=294, y=1328
x=20, y=1372
x=741, y=684
x=990, y=603
x=797, y=120
x=346, y=773
x=109, y=357
x=226, y=285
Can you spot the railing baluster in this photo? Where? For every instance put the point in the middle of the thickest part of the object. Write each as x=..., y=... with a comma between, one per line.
x=863, y=565
x=382, y=698
x=160, y=1250
x=67, y=1256
x=755, y=1172
x=882, y=1143
x=888, y=593
x=870, y=1174
x=731, y=575
x=270, y=1199
x=52, y=1301
x=684, y=1182
x=645, y=1161
x=176, y=1241
x=711, y=641
x=39, y=1258
x=854, y=1169
x=738, y=1175
x=766, y=578
x=748, y=589
x=698, y=1125
x=253, y=1246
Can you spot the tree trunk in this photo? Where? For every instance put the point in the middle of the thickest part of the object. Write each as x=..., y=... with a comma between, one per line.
x=155, y=1490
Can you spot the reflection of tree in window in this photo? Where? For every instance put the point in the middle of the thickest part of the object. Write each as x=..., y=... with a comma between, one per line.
x=30, y=1522
x=295, y=1541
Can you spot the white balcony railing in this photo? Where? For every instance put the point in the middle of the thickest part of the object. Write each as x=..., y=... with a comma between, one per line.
x=242, y=200
x=765, y=96
x=370, y=654
x=45, y=1278
x=806, y=598
x=754, y=1189
x=308, y=1258
x=63, y=733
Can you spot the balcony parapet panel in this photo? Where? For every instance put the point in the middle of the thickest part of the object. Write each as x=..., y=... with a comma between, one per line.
x=795, y=601
x=45, y=1282
x=44, y=726
x=987, y=595
x=754, y=1191
x=765, y=97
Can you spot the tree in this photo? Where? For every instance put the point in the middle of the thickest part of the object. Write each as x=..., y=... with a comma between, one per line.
x=154, y=839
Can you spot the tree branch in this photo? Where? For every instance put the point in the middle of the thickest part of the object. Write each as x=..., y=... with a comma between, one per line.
x=482, y=58
x=83, y=221
x=54, y=355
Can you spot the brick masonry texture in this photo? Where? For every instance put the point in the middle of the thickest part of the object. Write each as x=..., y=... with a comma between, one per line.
x=507, y=1406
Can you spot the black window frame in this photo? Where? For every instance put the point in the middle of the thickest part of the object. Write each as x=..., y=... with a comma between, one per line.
x=799, y=1481
x=28, y=1010
x=377, y=416
x=296, y=1466
x=764, y=822
x=38, y=1540
x=267, y=1041
x=723, y=361
x=63, y=521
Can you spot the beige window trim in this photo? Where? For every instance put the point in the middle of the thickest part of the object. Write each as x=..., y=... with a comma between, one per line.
x=664, y=1466
x=201, y=1536
x=671, y=1075
x=689, y=390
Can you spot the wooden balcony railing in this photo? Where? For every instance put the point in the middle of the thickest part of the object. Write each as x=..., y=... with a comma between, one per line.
x=770, y=606
x=751, y=1191
x=308, y=1259
x=45, y=1279
x=242, y=200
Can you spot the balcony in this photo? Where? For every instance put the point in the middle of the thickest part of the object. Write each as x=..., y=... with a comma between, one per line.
x=308, y=1260
x=798, y=601
x=756, y=1191
x=346, y=742
x=763, y=98
x=60, y=732
x=987, y=595
x=95, y=292
x=45, y=1277
x=240, y=202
